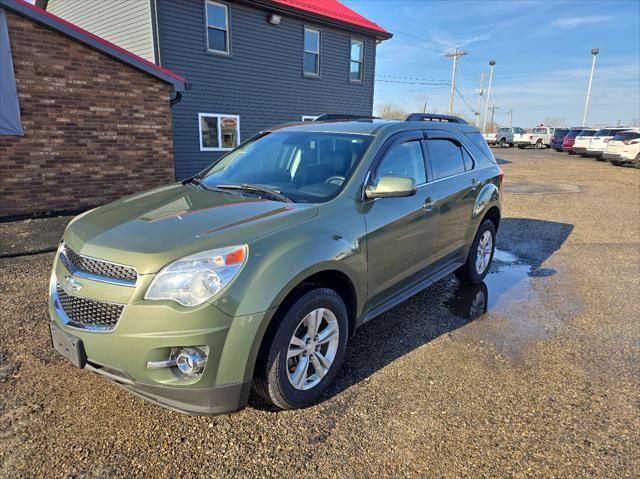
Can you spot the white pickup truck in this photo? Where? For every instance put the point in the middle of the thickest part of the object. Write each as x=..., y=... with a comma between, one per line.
x=504, y=136
x=540, y=137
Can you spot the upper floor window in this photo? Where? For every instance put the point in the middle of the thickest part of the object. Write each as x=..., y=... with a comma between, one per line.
x=218, y=132
x=356, y=64
x=311, y=51
x=217, y=27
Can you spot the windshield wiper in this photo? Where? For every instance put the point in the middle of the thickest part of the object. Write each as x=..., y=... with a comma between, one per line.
x=197, y=181
x=273, y=194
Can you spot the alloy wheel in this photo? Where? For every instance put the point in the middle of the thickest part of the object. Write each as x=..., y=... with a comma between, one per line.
x=483, y=253
x=312, y=348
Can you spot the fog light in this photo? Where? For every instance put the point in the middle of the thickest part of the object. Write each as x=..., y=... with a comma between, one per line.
x=191, y=361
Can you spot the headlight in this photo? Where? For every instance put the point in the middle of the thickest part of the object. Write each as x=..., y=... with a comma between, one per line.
x=194, y=279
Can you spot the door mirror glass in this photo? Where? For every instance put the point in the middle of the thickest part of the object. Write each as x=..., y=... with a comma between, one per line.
x=392, y=187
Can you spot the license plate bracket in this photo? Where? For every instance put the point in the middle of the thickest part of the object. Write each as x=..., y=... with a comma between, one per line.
x=68, y=346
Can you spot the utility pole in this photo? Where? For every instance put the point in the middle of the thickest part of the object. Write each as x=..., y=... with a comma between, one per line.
x=486, y=111
x=455, y=56
x=480, y=92
x=594, y=53
x=493, y=112
x=510, y=117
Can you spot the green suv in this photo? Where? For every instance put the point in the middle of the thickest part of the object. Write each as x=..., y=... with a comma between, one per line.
x=257, y=271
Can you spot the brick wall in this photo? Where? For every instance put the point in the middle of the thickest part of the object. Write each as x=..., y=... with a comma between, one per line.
x=95, y=128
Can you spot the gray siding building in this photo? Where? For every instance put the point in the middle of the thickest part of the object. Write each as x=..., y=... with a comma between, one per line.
x=250, y=64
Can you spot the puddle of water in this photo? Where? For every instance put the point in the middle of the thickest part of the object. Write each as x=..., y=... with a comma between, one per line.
x=512, y=312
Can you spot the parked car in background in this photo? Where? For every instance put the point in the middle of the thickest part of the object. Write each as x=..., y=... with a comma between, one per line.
x=624, y=148
x=503, y=137
x=541, y=137
x=599, y=141
x=582, y=141
x=558, y=137
x=569, y=140
x=256, y=271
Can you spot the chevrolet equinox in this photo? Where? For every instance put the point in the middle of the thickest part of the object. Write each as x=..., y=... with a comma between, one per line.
x=257, y=271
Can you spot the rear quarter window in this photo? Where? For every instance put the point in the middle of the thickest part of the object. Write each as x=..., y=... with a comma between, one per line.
x=477, y=145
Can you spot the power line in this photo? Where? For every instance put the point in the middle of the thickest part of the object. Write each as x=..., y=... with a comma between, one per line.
x=466, y=102
x=395, y=31
x=412, y=62
x=412, y=78
x=411, y=82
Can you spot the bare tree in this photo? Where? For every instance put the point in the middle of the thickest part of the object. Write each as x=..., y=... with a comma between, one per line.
x=391, y=111
x=553, y=121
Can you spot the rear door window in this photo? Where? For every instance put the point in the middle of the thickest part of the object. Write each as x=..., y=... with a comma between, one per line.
x=445, y=157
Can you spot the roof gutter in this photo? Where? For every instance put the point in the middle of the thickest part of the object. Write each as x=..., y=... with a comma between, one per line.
x=270, y=5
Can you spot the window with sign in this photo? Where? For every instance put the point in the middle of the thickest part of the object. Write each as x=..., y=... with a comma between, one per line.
x=217, y=27
x=218, y=132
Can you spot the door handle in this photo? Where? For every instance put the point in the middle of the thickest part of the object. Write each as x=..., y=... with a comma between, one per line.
x=474, y=184
x=429, y=204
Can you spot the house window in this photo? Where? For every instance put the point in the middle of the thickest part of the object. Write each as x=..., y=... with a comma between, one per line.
x=218, y=132
x=311, y=51
x=217, y=27
x=308, y=118
x=357, y=60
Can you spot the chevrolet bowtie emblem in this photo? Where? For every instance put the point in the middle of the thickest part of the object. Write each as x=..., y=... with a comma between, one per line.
x=72, y=285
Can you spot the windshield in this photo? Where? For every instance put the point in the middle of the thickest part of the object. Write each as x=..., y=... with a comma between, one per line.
x=308, y=167
x=573, y=133
x=626, y=135
x=587, y=133
x=560, y=132
x=539, y=130
x=504, y=130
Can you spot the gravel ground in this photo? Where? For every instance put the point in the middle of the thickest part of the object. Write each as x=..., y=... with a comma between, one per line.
x=545, y=384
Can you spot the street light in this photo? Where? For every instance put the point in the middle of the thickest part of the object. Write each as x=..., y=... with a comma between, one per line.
x=486, y=110
x=594, y=52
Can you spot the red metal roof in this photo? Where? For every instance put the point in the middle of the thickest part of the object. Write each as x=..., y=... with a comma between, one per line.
x=84, y=35
x=335, y=10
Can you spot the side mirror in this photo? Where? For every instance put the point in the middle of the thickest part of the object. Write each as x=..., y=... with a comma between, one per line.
x=392, y=187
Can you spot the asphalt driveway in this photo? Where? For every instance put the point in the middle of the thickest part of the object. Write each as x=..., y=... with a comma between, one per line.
x=536, y=373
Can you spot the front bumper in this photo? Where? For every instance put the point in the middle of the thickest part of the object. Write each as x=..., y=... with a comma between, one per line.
x=149, y=330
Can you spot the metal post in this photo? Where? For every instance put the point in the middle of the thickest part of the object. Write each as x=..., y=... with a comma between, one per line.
x=455, y=56
x=480, y=93
x=594, y=53
x=486, y=111
x=493, y=112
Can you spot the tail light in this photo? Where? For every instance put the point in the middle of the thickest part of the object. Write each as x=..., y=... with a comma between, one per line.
x=531, y=137
x=630, y=142
x=496, y=136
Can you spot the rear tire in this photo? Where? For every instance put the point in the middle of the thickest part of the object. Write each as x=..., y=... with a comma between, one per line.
x=480, y=255
x=636, y=163
x=616, y=163
x=501, y=143
x=521, y=147
x=539, y=145
x=292, y=371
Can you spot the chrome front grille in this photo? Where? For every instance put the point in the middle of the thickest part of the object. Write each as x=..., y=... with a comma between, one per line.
x=104, y=270
x=87, y=313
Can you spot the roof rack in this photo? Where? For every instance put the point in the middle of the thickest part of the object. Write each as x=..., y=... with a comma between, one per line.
x=436, y=117
x=344, y=117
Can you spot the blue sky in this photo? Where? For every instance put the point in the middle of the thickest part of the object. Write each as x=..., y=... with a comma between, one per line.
x=542, y=51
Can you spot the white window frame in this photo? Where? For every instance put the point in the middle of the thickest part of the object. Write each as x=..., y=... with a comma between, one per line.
x=227, y=30
x=219, y=116
x=305, y=51
x=309, y=117
x=361, y=61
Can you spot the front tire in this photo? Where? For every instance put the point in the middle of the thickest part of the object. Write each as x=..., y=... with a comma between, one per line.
x=539, y=145
x=301, y=358
x=636, y=163
x=480, y=255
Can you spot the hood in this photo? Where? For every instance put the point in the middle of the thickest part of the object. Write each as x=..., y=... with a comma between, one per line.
x=151, y=229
